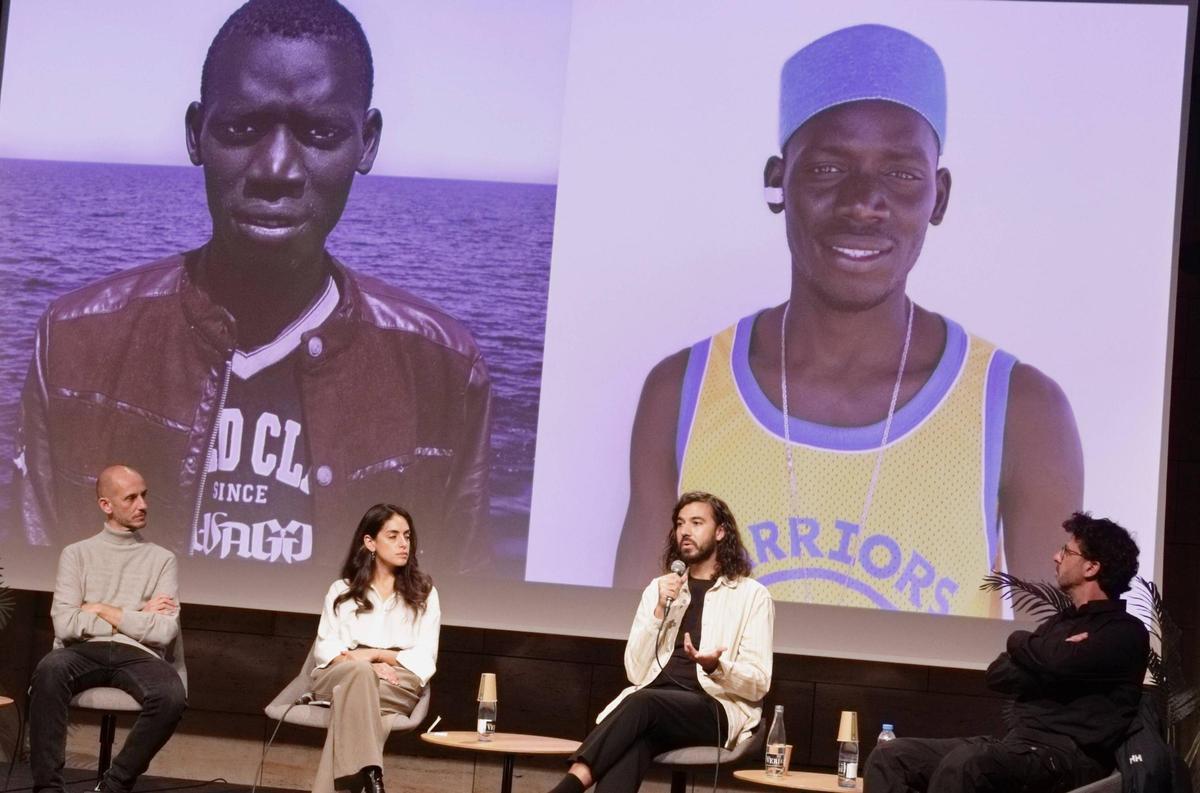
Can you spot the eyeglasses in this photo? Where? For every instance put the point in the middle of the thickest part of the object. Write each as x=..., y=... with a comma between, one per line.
x=1065, y=551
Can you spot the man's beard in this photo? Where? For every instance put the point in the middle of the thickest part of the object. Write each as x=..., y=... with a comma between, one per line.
x=694, y=554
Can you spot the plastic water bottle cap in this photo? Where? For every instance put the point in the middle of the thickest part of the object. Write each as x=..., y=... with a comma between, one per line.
x=887, y=727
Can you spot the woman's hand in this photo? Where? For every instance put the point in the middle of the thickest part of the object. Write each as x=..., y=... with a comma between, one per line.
x=368, y=654
x=386, y=673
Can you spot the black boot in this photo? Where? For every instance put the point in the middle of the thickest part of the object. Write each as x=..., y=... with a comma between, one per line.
x=568, y=784
x=372, y=779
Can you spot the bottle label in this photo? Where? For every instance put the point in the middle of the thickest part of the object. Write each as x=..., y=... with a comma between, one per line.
x=485, y=726
x=775, y=757
x=848, y=769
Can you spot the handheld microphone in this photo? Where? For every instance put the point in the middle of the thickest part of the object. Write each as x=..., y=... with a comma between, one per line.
x=679, y=568
x=305, y=698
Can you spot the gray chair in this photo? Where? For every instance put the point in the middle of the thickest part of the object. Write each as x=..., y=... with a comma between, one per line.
x=111, y=701
x=684, y=760
x=315, y=714
x=1110, y=784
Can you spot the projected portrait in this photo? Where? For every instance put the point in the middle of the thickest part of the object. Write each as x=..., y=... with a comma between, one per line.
x=883, y=456
x=897, y=364
x=276, y=377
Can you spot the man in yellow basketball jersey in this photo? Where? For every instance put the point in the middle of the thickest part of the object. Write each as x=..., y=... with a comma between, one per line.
x=915, y=457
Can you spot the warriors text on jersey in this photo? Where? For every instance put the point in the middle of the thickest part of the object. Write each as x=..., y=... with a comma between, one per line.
x=932, y=531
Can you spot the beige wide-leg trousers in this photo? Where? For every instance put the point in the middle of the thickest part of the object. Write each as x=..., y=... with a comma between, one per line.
x=359, y=720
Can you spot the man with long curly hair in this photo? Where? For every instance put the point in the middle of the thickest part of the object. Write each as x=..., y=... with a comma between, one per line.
x=698, y=656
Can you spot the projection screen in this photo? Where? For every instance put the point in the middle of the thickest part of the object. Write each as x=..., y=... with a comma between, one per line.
x=577, y=189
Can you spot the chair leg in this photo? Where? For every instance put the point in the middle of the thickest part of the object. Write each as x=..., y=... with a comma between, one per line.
x=679, y=780
x=108, y=734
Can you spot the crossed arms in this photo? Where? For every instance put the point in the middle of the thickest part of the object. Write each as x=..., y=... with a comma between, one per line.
x=154, y=623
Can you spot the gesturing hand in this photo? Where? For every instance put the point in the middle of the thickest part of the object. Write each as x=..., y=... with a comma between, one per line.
x=708, y=661
x=160, y=604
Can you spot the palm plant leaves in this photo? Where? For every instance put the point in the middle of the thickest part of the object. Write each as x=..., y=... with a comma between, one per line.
x=1039, y=599
x=7, y=602
x=1166, y=662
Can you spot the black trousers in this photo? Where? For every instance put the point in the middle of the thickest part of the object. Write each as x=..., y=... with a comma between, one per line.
x=65, y=672
x=977, y=765
x=649, y=722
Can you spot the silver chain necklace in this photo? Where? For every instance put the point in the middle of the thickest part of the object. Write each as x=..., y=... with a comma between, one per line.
x=887, y=424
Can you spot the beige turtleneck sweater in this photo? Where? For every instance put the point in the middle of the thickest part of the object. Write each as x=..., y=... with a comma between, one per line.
x=121, y=569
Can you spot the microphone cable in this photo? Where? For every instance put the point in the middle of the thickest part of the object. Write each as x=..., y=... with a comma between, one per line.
x=305, y=698
x=719, y=746
x=18, y=748
x=679, y=568
x=189, y=786
x=89, y=779
x=18, y=744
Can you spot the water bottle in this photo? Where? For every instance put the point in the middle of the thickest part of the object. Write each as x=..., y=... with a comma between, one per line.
x=887, y=734
x=847, y=763
x=776, y=745
x=485, y=725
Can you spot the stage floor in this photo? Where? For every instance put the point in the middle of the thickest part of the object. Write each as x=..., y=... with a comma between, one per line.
x=83, y=781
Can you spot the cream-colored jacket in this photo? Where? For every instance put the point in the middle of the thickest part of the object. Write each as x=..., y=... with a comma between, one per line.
x=738, y=615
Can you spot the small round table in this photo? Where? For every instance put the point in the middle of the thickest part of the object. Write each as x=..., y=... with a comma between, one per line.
x=509, y=744
x=799, y=780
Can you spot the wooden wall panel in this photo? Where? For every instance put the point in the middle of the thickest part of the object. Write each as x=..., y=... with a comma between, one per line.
x=239, y=659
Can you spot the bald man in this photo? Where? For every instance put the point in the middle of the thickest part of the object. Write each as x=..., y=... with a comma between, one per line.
x=116, y=618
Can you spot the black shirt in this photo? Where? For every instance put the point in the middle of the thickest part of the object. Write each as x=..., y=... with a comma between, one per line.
x=257, y=506
x=680, y=671
x=1087, y=691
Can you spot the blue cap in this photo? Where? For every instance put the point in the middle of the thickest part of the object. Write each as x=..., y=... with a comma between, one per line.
x=863, y=62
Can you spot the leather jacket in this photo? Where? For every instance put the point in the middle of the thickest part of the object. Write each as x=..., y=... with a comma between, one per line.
x=134, y=368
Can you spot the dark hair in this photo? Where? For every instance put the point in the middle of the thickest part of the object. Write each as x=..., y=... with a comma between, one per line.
x=411, y=584
x=732, y=559
x=316, y=20
x=1109, y=545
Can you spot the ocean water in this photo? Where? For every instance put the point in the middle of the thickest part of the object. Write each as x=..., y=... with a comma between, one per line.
x=479, y=250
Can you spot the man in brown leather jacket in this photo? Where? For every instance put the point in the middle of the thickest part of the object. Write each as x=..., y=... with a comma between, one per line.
x=268, y=393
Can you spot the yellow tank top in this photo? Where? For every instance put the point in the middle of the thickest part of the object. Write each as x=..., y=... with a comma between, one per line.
x=932, y=531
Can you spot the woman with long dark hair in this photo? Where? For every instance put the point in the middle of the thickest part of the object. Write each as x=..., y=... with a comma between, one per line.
x=376, y=647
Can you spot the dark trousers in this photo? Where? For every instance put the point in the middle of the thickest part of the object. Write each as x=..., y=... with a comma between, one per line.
x=65, y=672
x=977, y=765
x=649, y=722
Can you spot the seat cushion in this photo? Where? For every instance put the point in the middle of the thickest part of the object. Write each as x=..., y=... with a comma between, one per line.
x=308, y=716
x=705, y=755
x=104, y=698
x=315, y=715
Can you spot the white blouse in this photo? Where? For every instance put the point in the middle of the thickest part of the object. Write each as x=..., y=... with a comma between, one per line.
x=390, y=625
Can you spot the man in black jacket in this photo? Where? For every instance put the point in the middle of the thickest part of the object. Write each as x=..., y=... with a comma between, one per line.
x=1075, y=682
x=269, y=393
